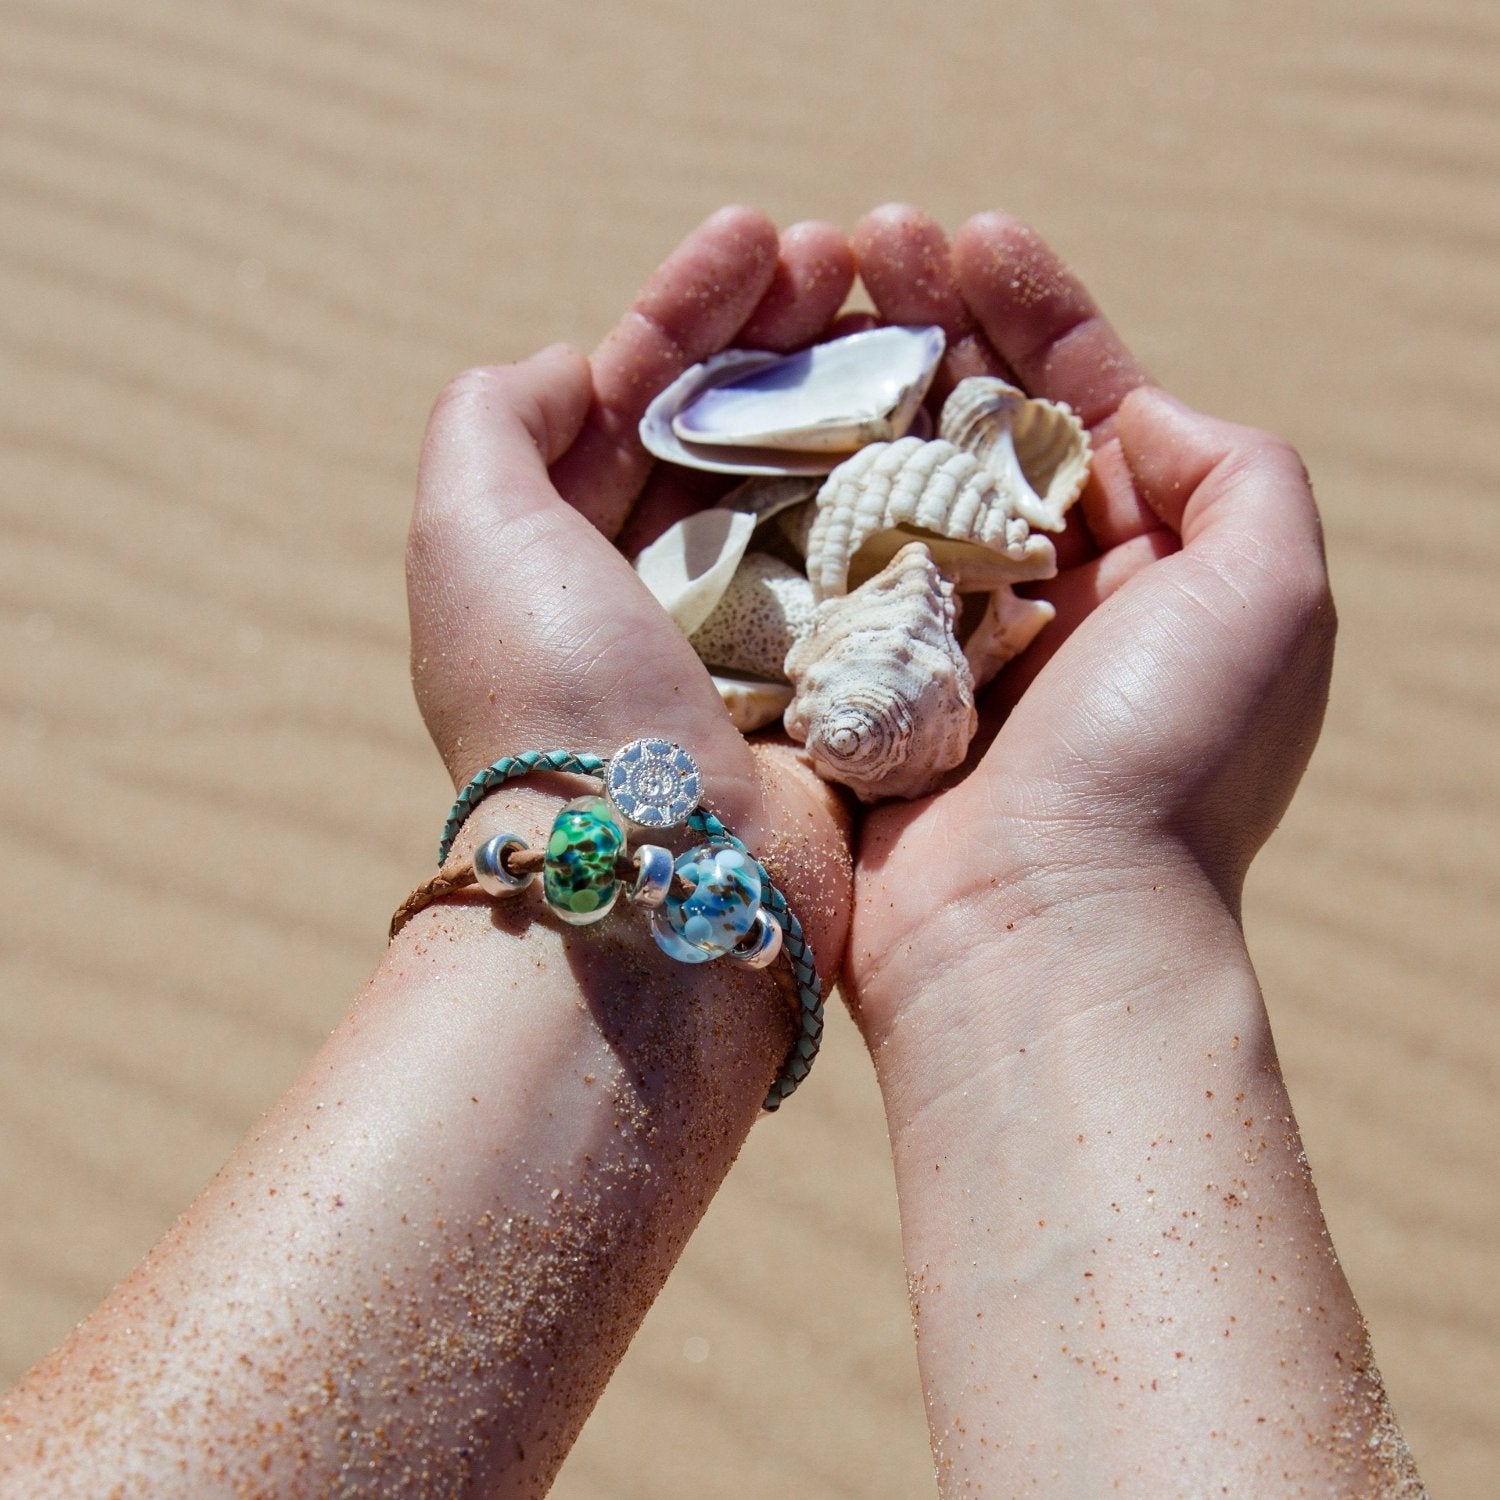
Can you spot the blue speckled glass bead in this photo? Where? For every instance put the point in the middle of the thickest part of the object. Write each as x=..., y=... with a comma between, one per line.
x=719, y=910
x=578, y=872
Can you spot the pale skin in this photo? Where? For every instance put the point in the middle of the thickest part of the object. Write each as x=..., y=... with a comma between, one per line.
x=1119, y=1269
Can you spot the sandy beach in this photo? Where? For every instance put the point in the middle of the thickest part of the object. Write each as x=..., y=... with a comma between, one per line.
x=242, y=247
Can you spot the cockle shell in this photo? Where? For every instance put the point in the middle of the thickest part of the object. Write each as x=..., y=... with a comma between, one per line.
x=884, y=696
x=889, y=493
x=1037, y=451
x=747, y=411
x=766, y=609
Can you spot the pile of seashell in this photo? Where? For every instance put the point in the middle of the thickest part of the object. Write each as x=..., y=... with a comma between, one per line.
x=860, y=585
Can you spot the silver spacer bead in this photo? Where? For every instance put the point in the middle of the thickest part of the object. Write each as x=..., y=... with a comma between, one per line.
x=653, y=875
x=489, y=866
x=761, y=946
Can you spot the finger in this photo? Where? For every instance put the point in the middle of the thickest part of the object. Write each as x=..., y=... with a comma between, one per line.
x=1111, y=505
x=691, y=307
x=1040, y=319
x=494, y=431
x=1205, y=477
x=903, y=261
x=814, y=272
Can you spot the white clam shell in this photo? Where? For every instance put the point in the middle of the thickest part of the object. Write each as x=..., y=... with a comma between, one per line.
x=752, y=704
x=884, y=695
x=690, y=565
x=750, y=412
x=1038, y=451
x=888, y=493
x=766, y=609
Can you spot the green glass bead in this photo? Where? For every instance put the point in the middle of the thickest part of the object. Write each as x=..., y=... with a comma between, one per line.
x=578, y=870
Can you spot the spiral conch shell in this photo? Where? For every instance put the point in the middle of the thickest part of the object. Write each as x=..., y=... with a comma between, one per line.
x=884, y=696
x=1037, y=451
x=890, y=493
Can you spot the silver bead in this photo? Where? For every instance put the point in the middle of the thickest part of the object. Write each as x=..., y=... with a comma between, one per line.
x=489, y=866
x=653, y=875
x=761, y=946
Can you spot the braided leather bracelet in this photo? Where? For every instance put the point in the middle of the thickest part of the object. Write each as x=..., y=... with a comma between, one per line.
x=713, y=901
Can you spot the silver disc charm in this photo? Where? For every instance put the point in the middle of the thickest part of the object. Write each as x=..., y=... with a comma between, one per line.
x=654, y=783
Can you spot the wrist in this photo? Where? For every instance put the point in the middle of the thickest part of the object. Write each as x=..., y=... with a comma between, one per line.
x=1101, y=952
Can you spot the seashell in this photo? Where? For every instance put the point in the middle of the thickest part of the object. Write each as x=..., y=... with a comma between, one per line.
x=1007, y=627
x=689, y=566
x=1037, y=451
x=890, y=493
x=747, y=411
x=795, y=525
x=764, y=497
x=884, y=695
x=765, y=610
x=752, y=704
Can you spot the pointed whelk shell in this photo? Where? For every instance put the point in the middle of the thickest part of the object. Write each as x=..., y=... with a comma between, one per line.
x=1007, y=627
x=889, y=493
x=1038, y=451
x=766, y=609
x=885, y=698
x=689, y=566
x=750, y=412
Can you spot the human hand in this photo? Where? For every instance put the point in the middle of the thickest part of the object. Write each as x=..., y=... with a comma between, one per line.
x=1157, y=728
x=1118, y=1266
x=530, y=630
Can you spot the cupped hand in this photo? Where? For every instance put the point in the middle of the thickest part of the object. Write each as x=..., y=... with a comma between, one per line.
x=1158, y=726
x=530, y=630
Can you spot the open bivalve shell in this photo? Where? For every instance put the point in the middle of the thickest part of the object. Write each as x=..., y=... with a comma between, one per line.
x=751, y=412
x=884, y=696
x=689, y=566
x=889, y=494
x=1037, y=451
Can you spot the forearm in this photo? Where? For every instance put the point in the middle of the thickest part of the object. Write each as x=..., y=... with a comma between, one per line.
x=424, y=1264
x=1119, y=1270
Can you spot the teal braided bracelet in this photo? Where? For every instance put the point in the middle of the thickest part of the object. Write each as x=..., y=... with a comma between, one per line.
x=717, y=899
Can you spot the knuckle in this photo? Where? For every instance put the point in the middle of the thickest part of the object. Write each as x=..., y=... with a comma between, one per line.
x=479, y=383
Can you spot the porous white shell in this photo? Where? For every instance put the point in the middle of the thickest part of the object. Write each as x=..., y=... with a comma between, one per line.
x=751, y=412
x=752, y=704
x=885, y=697
x=689, y=566
x=766, y=609
x=889, y=493
x=1007, y=627
x=1037, y=451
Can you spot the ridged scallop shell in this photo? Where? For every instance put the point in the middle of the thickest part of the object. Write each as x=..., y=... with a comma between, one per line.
x=766, y=609
x=891, y=493
x=884, y=696
x=1037, y=451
